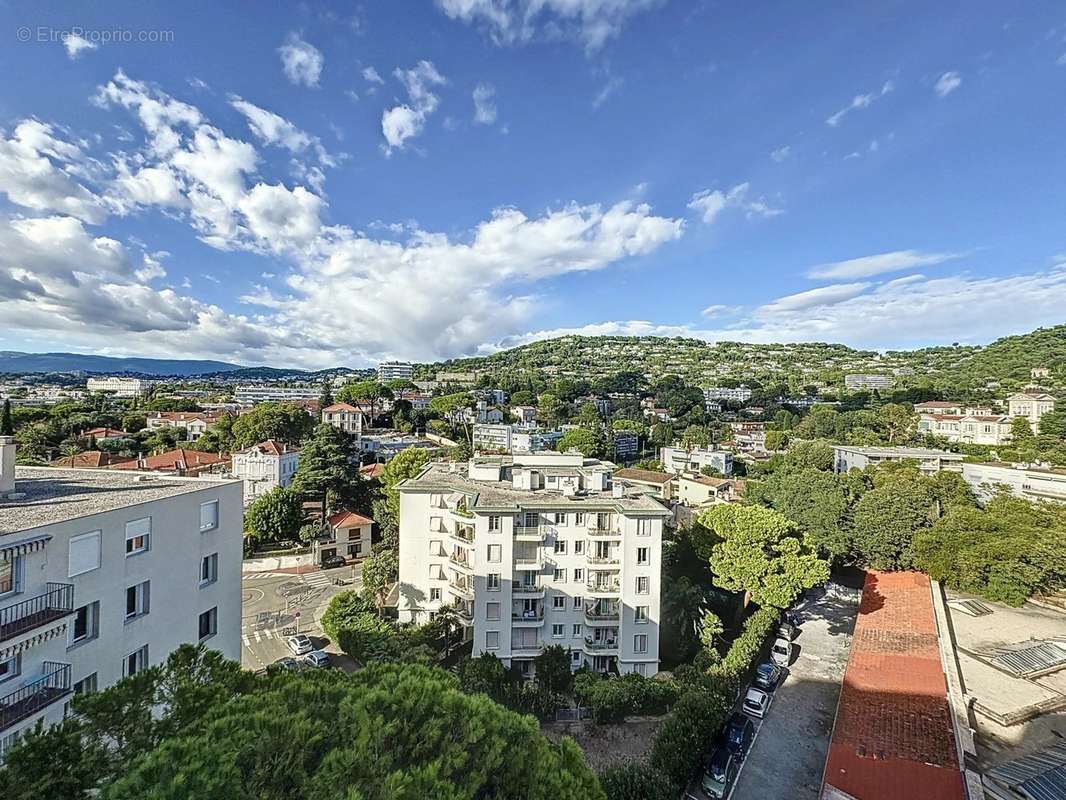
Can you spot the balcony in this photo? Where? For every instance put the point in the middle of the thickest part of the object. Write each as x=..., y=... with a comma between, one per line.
x=528, y=618
x=527, y=590
x=465, y=612
x=463, y=534
x=604, y=533
x=603, y=562
x=601, y=647
x=464, y=589
x=461, y=561
x=528, y=561
x=55, y=603
x=598, y=588
x=601, y=614
x=526, y=650
x=527, y=533
x=27, y=700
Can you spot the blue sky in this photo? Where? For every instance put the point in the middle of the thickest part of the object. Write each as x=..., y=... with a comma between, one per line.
x=336, y=184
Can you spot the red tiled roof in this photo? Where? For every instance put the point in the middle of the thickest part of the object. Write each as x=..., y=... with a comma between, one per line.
x=893, y=736
x=178, y=416
x=274, y=448
x=348, y=519
x=340, y=407
x=189, y=461
x=937, y=404
x=105, y=433
x=646, y=475
x=90, y=459
x=372, y=470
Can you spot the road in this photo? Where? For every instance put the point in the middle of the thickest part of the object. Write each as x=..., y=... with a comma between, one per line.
x=788, y=755
x=273, y=602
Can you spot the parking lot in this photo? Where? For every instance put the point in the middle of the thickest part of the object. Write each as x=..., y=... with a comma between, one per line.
x=274, y=603
x=791, y=743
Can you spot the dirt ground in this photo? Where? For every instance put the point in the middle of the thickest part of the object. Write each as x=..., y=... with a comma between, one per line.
x=607, y=744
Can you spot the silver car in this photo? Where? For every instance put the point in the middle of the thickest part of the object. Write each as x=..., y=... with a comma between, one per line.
x=757, y=702
x=316, y=658
x=299, y=644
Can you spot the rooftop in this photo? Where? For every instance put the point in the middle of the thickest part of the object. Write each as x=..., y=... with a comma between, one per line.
x=901, y=452
x=56, y=495
x=644, y=475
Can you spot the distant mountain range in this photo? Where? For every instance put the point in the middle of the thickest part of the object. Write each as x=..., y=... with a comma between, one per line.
x=12, y=361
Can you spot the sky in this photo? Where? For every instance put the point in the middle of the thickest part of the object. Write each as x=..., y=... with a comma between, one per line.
x=324, y=184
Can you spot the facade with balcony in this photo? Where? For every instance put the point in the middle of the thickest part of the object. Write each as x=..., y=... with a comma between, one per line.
x=105, y=573
x=541, y=549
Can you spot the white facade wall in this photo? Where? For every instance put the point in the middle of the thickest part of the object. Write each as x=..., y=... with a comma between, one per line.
x=250, y=395
x=678, y=459
x=121, y=387
x=262, y=472
x=1032, y=484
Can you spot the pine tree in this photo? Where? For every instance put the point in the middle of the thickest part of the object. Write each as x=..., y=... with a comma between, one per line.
x=325, y=400
x=7, y=427
x=325, y=464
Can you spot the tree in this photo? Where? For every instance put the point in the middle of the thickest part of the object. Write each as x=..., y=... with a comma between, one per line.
x=711, y=629
x=380, y=570
x=550, y=410
x=405, y=464
x=776, y=440
x=681, y=740
x=887, y=517
x=134, y=422
x=325, y=396
x=274, y=516
x=325, y=465
x=1053, y=424
x=818, y=502
x=454, y=407
x=553, y=669
x=635, y=780
x=588, y=416
x=342, y=612
x=485, y=674
x=371, y=392
x=695, y=436
x=282, y=421
x=810, y=455
x=900, y=423
x=7, y=427
x=762, y=554
x=584, y=441
x=1021, y=433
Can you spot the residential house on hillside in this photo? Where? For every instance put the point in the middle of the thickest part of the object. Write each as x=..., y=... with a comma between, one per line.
x=1031, y=405
x=749, y=437
x=179, y=462
x=265, y=466
x=194, y=423
x=677, y=459
x=1033, y=482
x=526, y=415
x=847, y=458
x=344, y=417
x=657, y=484
x=104, y=434
x=969, y=427
x=695, y=491
x=90, y=459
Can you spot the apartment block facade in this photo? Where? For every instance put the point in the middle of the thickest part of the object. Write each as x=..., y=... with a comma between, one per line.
x=119, y=387
x=532, y=551
x=103, y=574
x=265, y=466
x=395, y=370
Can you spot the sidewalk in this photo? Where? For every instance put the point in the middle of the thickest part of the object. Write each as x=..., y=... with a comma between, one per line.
x=292, y=564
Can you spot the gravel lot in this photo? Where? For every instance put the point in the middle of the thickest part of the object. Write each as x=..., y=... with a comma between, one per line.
x=789, y=753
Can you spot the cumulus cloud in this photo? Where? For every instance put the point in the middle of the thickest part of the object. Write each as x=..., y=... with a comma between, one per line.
x=858, y=102
x=780, y=154
x=76, y=45
x=507, y=22
x=867, y=266
x=484, y=104
x=300, y=61
x=370, y=75
x=947, y=83
x=406, y=121
x=273, y=129
x=709, y=203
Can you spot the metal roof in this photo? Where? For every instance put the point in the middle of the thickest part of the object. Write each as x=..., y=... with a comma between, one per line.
x=1037, y=776
x=1031, y=658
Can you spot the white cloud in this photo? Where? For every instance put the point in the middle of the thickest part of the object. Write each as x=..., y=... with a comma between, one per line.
x=76, y=45
x=867, y=266
x=710, y=203
x=1061, y=60
x=947, y=83
x=301, y=62
x=273, y=129
x=781, y=153
x=406, y=121
x=508, y=22
x=283, y=219
x=822, y=296
x=859, y=101
x=370, y=75
x=614, y=83
x=714, y=311
x=484, y=104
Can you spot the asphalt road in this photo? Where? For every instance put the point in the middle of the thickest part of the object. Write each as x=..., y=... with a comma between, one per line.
x=274, y=602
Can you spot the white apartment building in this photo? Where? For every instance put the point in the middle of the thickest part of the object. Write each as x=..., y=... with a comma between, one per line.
x=847, y=458
x=120, y=387
x=1030, y=482
x=250, y=395
x=344, y=417
x=739, y=394
x=971, y=428
x=265, y=466
x=513, y=439
x=526, y=415
x=678, y=460
x=536, y=550
x=1031, y=405
x=395, y=370
x=871, y=382
x=194, y=423
x=104, y=573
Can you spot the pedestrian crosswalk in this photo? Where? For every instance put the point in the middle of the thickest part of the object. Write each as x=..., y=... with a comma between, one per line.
x=260, y=576
x=259, y=636
x=316, y=579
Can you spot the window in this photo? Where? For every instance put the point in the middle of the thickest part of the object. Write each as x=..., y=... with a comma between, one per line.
x=579, y=547
x=640, y=669
x=493, y=579
x=557, y=631
x=9, y=574
x=495, y=523
x=495, y=553
x=86, y=623
x=137, y=600
x=209, y=623
x=138, y=535
x=492, y=640
x=86, y=685
x=209, y=515
x=576, y=630
x=436, y=548
x=530, y=520
x=640, y=643
x=560, y=547
x=579, y=575
x=10, y=668
x=643, y=527
x=559, y=602
x=643, y=557
x=640, y=614
x=434, y=595
x=575, y=657
x=579, y=518
x=577, y=603
x=135, y=662
x=209, y=569
x=560, y=518
x=84, y=553
x=355, y=549
x=642, y=584
x=492, y=611
x=560, y=576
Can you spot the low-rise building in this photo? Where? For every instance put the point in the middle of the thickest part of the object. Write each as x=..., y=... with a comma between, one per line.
x=749, y=437
x=847, y=458
x=859, y=381
x=1031, y=405
x=695, y=491
x=105, y=434
x=179, y=462
x=119, y=387
x=350, y=536
x=1028, y=481
x=265, y=466
x=526, y=415
x=193, y=423
x=344, y=417
x=738, y=394
x=657, y=484
x=679, y=459
x=255, y=393
x=969, y=428
x=534, y=551
x=513, y=439
x=90, y=459
x=104, y=574
x=939, y=407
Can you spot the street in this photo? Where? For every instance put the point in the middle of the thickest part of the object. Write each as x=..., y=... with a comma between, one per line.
x=275, y=602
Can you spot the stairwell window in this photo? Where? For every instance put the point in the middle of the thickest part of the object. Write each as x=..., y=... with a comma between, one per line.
x=640, y=643
x=137, y=600
x=642, y=584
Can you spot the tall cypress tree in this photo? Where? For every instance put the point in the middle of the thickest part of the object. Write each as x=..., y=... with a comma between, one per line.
x=7, y=427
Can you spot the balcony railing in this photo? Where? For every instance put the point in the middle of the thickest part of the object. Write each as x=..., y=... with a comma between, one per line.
x=534, y=615
x=527, y=588
x=604, y=533
x=56, y=603
x=604, y=587
x=529, y=532
x=463, y=562
x=464, y=535
x=602, y=561
x=27, y=700
x=464, y=589
x=602, y=644
x=601, y=612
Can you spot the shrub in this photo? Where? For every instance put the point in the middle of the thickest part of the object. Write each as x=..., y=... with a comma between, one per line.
x=635, y=780
x=614, y=699
x=747, y=647
x=685, y=736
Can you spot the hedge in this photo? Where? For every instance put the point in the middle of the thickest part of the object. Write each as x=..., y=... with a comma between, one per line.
x=614, y=699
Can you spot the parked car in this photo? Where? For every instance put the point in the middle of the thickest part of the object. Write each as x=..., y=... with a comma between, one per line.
x=757, y=702
x=290, y=664
x=767, y=676
x=781, y=652
x=786, y=630
x=333, y=562
x=738, y=735
x=299, y=644
x=316, y=658
x=720, y=773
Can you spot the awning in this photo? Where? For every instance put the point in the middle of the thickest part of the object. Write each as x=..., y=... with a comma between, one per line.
x=9, y=550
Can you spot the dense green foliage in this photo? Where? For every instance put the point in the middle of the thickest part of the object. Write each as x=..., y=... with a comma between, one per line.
x=635, y=780
x=282, y=421
x=614, y=699
x=274, y=516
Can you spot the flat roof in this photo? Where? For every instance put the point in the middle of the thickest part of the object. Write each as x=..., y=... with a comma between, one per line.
x=905, y=452
x=56, y=495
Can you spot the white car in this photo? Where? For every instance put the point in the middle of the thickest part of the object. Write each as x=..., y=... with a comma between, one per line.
x=316, y=658
x=299, y=644
x=757, y=702
x=781, y=652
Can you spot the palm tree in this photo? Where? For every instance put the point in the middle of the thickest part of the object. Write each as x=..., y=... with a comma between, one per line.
x=450, y=627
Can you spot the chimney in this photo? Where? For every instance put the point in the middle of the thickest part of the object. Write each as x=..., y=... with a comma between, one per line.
x=618, y=489
x=7, y=465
